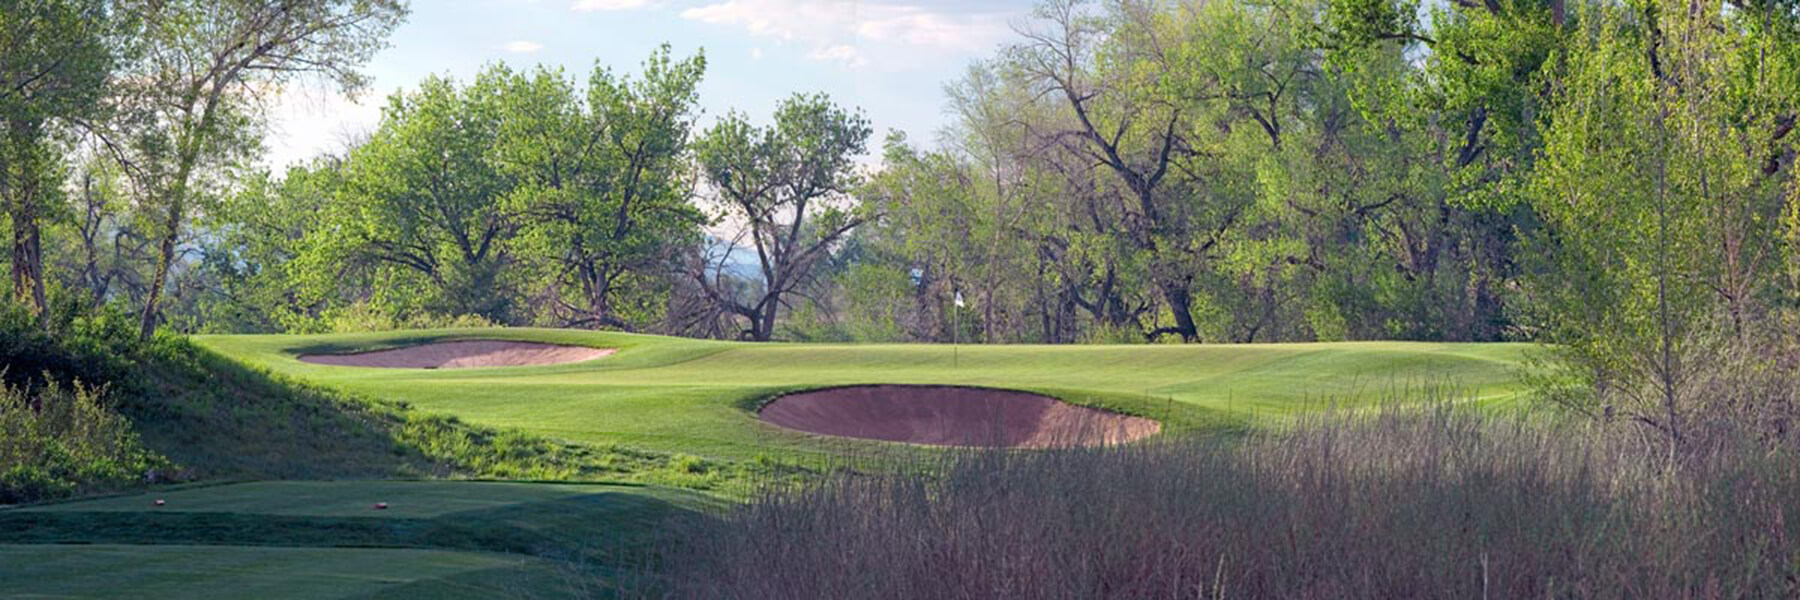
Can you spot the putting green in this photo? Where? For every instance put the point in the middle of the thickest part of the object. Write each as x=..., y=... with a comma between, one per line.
x=695, y=396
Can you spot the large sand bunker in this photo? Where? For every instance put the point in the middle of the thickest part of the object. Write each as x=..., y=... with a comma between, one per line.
x=953, y=416
x=462, y=355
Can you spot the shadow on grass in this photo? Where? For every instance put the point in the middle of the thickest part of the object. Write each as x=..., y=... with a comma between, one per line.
x=591, y=527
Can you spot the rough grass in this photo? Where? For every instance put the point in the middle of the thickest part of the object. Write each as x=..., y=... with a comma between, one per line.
x=1398, y=505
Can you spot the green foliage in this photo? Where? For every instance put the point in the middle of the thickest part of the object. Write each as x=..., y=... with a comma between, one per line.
x=189, y=99
x=59, y=54
x=879, y=301
x=364, y=317
x=1662, y=199
x=58, y=441
x=787, y=184
x=603, y=186
x=555, y=207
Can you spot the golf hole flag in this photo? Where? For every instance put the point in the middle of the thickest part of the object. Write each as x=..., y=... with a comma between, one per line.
x=959, y=300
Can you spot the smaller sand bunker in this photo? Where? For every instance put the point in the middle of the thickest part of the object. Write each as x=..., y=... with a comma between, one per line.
x=463, y=355
x=953, y=416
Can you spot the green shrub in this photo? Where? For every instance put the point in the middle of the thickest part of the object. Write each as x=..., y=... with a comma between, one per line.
x=1108, y=334
x=364, y=316
x=57, y=441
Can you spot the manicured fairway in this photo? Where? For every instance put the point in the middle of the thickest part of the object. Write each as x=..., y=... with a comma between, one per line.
x=694, y=396
x=325, y=539
x=203, y=572
x=404, y=499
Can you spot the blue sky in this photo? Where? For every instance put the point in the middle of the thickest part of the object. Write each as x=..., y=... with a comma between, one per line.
x=890, y=57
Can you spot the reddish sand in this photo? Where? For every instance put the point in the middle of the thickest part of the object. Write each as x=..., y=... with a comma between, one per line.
x=461, y=355
x=953, y=416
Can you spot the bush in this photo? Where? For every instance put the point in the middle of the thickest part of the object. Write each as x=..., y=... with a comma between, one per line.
x=58, y=441
x=361, y=317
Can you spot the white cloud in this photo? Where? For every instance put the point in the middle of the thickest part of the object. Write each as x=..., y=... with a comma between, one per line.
x=521, y=47
x=305, y=122
x=843, y=54
x=600, y=5
x=756, y=53
x=840, y=31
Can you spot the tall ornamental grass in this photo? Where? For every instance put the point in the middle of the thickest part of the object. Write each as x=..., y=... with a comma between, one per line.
x=1434, y=504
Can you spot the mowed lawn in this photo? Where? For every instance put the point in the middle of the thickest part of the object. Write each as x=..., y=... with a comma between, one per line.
x=322, y=539
x=697, y=396
x=207, y=572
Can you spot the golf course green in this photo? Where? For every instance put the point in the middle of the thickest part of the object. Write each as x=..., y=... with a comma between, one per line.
x=698, y=397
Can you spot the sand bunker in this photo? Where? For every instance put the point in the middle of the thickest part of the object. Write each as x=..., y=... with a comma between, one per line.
x=462, y=355
x=953, y=416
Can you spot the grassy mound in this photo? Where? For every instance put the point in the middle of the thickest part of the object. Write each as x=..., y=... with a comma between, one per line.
x=215, y=418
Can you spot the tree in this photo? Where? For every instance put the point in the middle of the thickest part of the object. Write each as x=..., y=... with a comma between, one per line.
x=601, y=187
x=423, y=196
x=1445, y=127
x=193, y=96
x=59, y=54
x=1662, y=241
x=787, y=186
x=1110, y=71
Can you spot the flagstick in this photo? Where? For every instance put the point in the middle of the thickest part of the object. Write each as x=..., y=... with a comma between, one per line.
x=955, y=324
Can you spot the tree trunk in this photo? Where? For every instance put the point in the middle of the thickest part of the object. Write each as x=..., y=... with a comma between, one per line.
x=19, y=187
x=165, y=257
x=1181, y=303
x=762, y=329
x=28, y=262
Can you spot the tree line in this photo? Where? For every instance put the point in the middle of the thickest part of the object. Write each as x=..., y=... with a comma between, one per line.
x=1614, y=177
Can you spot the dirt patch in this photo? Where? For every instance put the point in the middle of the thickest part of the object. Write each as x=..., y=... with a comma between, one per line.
x=953, y=416
x=463, y=355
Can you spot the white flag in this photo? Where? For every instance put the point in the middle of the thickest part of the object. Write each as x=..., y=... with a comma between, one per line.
x=959, y=300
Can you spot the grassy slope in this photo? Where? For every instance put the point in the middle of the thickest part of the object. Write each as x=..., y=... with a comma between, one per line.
x=438, y=539
x=221, y=419
x=679, y=395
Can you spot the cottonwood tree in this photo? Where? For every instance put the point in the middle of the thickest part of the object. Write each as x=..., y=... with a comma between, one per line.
x=786, y=185
x=1458, y=101
x=932, y=221
x=1106, y=73
x=602, y=188
x=992, y=146
x=419, y=203
x=58, y=56
x=194, y=95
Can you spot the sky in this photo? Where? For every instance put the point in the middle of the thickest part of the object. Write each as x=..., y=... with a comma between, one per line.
x=889, y=57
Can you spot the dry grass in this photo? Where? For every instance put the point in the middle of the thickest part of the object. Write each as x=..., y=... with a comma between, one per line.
x=1444, y=504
